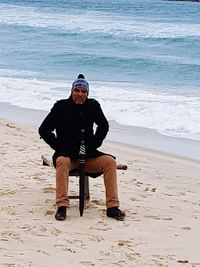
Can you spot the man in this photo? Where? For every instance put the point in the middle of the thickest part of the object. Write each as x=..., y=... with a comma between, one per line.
x=61, y=130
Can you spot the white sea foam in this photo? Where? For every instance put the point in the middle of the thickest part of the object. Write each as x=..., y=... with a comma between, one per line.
x=95, y=22
x=168, y=112
x=31, y=93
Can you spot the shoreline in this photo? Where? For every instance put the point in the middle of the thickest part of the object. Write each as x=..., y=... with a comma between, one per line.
x=138, y=137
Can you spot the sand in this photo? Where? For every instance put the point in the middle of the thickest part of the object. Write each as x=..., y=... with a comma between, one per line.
x=158, y=191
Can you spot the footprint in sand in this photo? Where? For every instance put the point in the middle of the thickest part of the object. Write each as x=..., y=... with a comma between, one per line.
x=38, y=178
x=96, y=238
x=49, y=212
x=158, y=218
x=4, y=192
x=7, y=235
x=100, y=225
x=152, y=217
x=186, y=228
x=124, y=242
x=56, y=231
x=98, y=202
x=167, y=219
x=43, y=252
x=49, y=190
x=64, y=248
x=87, y=263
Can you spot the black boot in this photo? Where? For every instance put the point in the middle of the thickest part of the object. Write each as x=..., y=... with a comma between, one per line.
x=115, y=213
x=61, y=213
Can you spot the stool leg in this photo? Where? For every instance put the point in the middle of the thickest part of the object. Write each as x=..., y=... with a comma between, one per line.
x=87, y=190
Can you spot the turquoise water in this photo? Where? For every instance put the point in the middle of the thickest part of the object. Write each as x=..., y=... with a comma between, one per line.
x=142, y=58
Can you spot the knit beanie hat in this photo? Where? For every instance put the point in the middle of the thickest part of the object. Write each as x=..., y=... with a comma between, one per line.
x=80, y=82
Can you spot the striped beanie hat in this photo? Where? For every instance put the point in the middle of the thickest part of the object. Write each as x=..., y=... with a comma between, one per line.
x=80, y=82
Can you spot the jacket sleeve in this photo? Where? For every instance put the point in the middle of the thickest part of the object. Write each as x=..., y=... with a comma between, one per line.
x=46, y=129
x=102, y=126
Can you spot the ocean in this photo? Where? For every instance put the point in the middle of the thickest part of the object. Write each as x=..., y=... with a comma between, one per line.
x=141, y=58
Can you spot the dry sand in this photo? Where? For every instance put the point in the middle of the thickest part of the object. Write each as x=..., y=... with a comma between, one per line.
x=159, y=192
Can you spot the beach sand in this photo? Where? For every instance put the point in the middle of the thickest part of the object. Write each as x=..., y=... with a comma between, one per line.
x=159, y=192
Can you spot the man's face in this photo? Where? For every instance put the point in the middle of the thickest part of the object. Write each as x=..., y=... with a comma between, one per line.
x=79, y=95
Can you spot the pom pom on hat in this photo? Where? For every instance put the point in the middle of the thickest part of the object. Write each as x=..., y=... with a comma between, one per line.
x=80, y=82
x=81, y=76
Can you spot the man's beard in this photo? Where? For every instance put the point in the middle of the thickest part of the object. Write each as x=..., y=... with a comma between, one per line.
x=79, y=101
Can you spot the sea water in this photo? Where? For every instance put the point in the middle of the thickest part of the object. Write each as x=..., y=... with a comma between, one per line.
x=140, y=57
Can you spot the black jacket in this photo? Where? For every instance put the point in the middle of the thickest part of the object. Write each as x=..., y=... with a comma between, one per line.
x=61, y=129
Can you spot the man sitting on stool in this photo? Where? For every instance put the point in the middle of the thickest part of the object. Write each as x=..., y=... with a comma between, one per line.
x=67, y=118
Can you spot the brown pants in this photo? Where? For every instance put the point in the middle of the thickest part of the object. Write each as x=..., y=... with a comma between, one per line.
x=105, y=164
